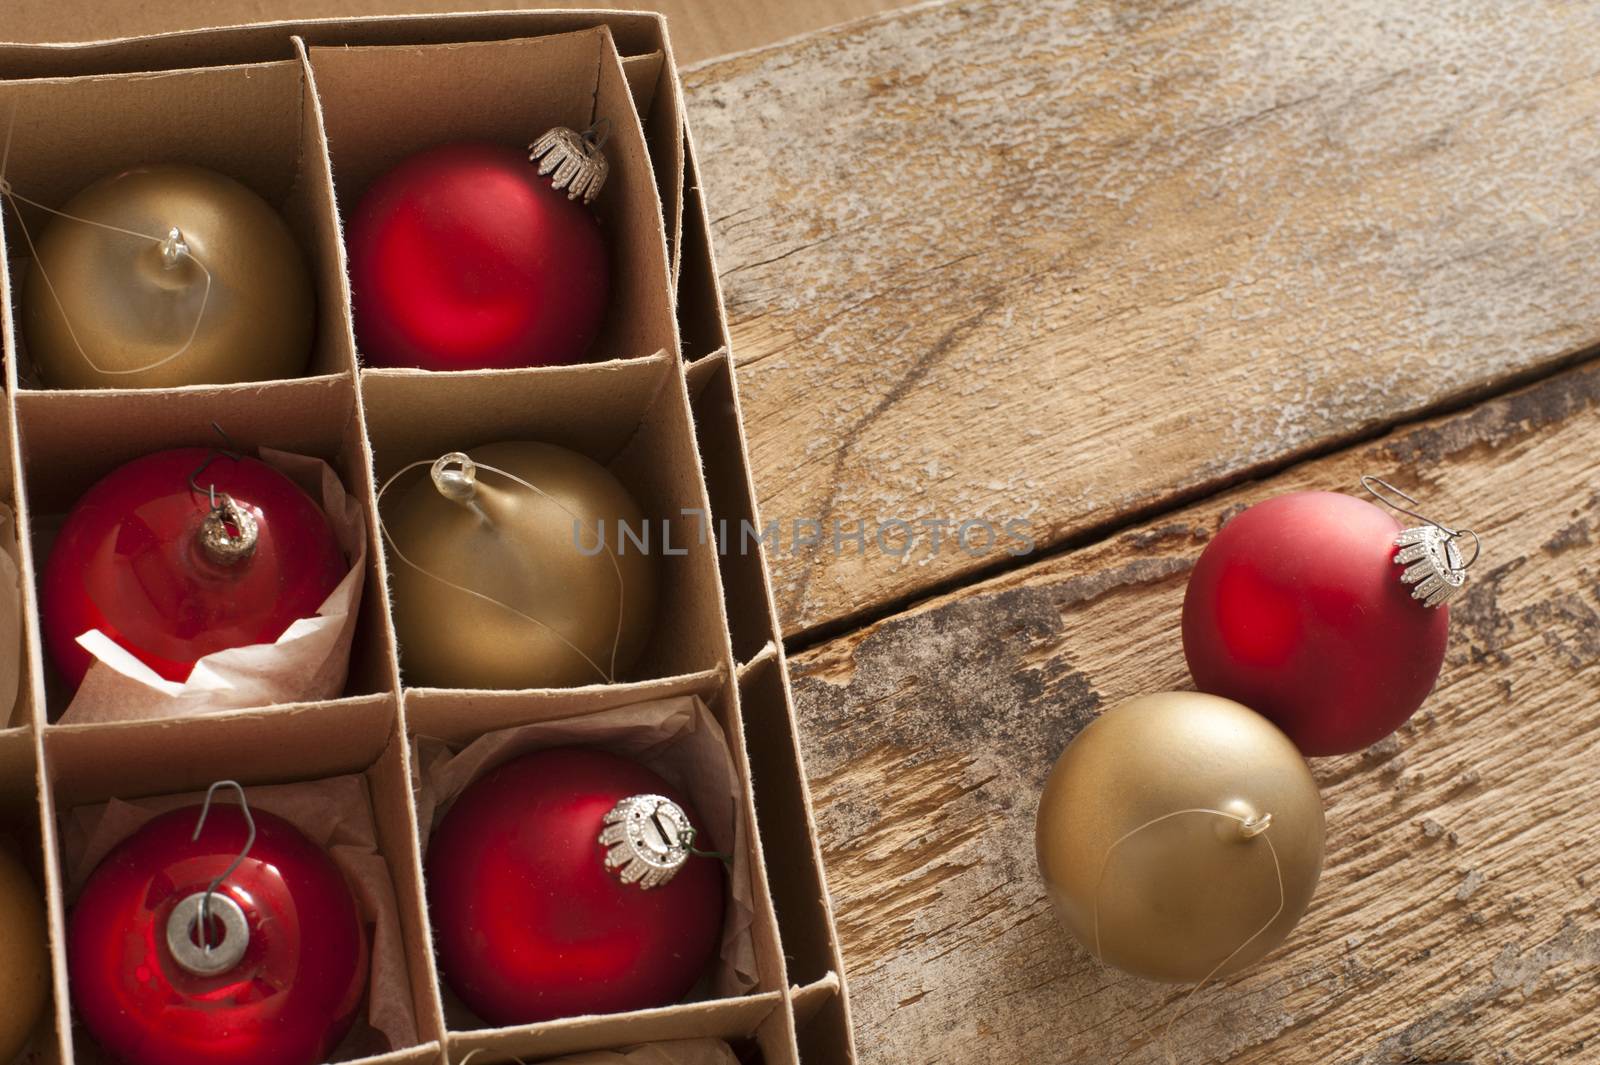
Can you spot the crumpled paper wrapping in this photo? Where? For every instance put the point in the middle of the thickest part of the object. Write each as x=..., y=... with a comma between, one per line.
x=677, y=738
x=336, y=814
x=10, y=621
x=310, y=661
x=678, y=1052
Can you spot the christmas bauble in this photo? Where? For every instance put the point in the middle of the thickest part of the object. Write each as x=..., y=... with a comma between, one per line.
x=1297, y=610
x=464, y=258
x=496, y=585
x=1164, y=830
x=536, y=917
x=286, y=966
x=24, y=957
x=216, y=292
x=149, y=559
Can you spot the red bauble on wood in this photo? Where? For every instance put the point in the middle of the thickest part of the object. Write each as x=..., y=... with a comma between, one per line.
x=1297, y=610
x=298, y=971
x=149, y=558
x=464, y=257
x=531, y=924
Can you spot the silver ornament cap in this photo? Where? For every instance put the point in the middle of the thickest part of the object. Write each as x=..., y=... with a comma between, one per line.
x=573, y=161
x=1432, y=564
x=647, y=840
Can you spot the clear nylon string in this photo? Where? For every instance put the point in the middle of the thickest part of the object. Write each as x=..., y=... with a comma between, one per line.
x=1105, y=863
x=14, y=197
x=608, y=676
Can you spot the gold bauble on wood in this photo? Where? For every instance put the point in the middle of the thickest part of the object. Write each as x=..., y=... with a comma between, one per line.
x=1153, y=836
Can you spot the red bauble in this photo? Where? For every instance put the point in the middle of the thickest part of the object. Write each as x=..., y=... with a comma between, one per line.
x=464, y=258
x=131, y=562
x=530, y=924
x=288, y=1000
x=1296, y=609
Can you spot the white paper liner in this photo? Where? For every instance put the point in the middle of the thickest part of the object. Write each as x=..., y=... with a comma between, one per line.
x=677, y=738
x=10, y=620
x=336, y=814
x=309, y=662
x=677, y=1052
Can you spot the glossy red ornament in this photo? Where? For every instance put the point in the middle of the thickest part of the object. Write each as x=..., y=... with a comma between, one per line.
x=464, y=258
x=132, y=561
x=529, y=923
x=1296, y=609
x=288, y=1001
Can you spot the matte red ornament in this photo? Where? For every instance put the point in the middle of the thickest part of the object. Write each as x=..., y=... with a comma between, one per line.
x=1297, y=610
x=464, y=258
x=529, y=922
x=146, y=558
x=288, y=1000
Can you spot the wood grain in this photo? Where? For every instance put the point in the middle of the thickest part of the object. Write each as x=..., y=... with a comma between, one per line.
x=1069, y=261
x=1459, y=911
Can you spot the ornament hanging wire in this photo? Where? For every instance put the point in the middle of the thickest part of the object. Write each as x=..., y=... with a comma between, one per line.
x=1455, y=534
x=229, y=533
x=173, y=247
x=1429, y=553
x=250, y=841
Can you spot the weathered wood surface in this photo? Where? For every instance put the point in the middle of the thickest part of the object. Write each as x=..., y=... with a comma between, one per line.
x=1459, y=912
x=1070, y=259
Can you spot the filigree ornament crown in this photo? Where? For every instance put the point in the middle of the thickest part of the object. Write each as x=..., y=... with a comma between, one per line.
x=1432, y=564
x=647, y=840
x=573, y=161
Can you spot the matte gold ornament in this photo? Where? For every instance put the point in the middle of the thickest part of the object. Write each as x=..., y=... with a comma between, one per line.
x=491, y=587
x=1180, y=836
x=167, y=275
x=24, y=960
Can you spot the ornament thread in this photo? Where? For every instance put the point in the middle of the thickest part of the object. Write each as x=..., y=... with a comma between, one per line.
x=1249, y=828
x=171, y=246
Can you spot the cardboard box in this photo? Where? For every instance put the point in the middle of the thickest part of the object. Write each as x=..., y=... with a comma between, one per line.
x=308, y=113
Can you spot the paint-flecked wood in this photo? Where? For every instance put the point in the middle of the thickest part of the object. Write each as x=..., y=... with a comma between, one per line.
x=1459, y=912
x=1065, y=260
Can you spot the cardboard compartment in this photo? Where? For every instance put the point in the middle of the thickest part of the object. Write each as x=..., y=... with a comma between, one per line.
x=16, y=624
x=701, y=321
x=733, y=513
x=20, y=834
x=348, y=753
x=629, y=416
x=380, y=105
x=71, y=439
x=794, y=865
x=673, y=737
x=252, y=122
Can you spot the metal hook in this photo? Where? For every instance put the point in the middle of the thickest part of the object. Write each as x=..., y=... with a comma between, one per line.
x=1368, y=481
x=228, y=451
x=250, y=841
x=598, y=133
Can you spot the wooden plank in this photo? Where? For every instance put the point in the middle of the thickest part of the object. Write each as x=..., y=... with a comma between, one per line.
x=1459, y=911
x=1071, y=261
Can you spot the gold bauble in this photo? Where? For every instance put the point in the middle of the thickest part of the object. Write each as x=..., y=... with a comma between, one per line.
x=1184, y=894
x=131, y=303
x=518, y=550
x=24, y=958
